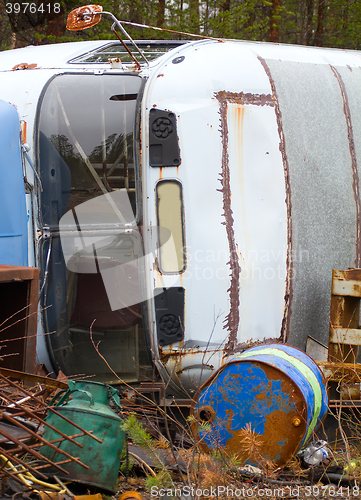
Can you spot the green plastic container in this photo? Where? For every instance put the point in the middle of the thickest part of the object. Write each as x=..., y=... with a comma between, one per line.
x=88, y=408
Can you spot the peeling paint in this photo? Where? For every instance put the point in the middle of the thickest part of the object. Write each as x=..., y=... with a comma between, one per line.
x=247, y=98
x=165, y=356
x=23, y=126
x=282, y=400
x=232, y=319
x=25, y=66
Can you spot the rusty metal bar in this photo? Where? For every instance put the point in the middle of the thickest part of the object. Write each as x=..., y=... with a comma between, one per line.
x=35, y=453
x=126, y=48
x=340, y=371
x=14, y=458
x=88, y=433
x=48, y=443
x=21, y=389
x=46, y=466
x=38, y=445
x=345, y=336
x=31, y=414
x=49, y=408
x=15, y=476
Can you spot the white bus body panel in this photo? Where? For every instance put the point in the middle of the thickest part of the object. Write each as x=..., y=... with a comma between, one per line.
x=269, y=139
x=274, y=119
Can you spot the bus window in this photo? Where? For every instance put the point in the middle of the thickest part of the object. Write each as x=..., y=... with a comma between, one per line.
x=170, y=217
x=86, y=140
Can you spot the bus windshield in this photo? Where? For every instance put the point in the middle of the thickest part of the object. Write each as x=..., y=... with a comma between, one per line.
x=86, y=140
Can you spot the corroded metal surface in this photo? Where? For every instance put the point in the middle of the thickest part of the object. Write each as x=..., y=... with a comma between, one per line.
x=84, y=17
x=266, y=396
x=344, y=316
x=232, y=319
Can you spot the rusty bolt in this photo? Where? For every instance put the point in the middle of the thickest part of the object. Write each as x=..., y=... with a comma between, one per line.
x=296, y=422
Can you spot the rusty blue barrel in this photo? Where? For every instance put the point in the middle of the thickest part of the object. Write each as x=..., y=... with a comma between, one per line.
x=275, y=391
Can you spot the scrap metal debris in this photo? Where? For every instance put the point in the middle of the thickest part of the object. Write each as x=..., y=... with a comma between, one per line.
x=22, y=424
x=25, y=471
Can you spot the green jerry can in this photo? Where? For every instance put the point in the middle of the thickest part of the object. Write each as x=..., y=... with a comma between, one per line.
x=89, y=409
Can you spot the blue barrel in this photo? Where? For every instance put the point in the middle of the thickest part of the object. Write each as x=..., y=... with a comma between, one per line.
x=276, y=391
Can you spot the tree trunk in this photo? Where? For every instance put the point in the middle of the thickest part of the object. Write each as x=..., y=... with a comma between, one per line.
x=226, y=5
x=194, y=14
x=309, y=15
x=160, y=13
x=274, y=24
x=318, y=41
x=55, y=19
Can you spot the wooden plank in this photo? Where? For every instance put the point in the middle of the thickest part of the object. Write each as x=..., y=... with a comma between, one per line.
x=336, y=372
x=50, y=383
x=350, y=274
x=346, y=288
x=344, y=315
x=351, y=336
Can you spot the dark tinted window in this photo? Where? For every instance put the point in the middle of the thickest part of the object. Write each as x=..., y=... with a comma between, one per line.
x=86, y=140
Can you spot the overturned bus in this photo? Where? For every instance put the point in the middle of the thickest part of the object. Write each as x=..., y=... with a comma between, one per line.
x=181, y=207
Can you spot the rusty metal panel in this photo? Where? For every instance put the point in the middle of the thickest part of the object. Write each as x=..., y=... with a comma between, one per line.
x=229, y=145
x=257, y=217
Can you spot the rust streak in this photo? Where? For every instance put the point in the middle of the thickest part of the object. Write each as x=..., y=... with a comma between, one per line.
x=165, y=356
x=242, y=98
x=289, y=287
x=25, y=66
x=23, y=126
x=232, y=319
x=355, y=177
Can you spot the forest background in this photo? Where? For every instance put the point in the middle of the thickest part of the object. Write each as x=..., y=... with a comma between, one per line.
x=323, y=23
